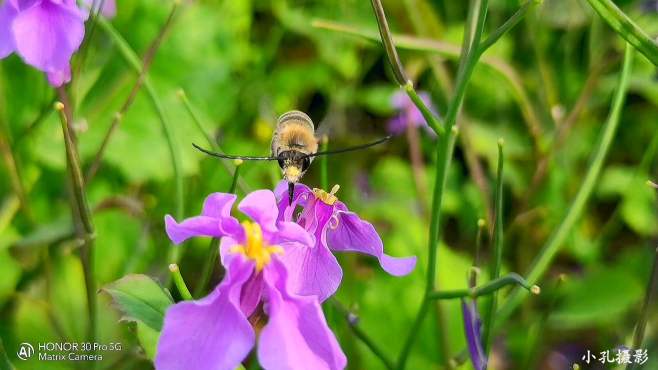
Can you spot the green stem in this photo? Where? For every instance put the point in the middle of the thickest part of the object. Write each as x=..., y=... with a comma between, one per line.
x=490, y=287
x=452, y=51
x=389, y=47
x=142, y=70
x=5, y=363
x=626, y=28
x=433, y=121
x=652, y=287
x=415, y=328
x=352, y=322
x=236, y=175
x=324, y=163
x=195, y=118
x=398, y=70
x=487, y=333
x=131, y=57
x=473, y=273
x=180, y=283
x=508, y=25
x=445, y=149
x=552, y=246
x=83, y=223
x=208, y=267
x=212, y=142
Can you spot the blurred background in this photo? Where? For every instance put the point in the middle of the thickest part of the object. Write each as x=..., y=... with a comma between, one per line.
x=545, y=88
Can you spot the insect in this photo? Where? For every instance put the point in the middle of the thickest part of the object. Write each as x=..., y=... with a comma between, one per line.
x=294, y=146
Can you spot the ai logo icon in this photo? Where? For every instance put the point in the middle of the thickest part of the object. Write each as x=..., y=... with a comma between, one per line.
x=25, y=351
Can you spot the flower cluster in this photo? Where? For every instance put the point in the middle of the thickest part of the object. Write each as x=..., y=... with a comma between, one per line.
x=408, y=114
x=46, y=33
x=279, y=268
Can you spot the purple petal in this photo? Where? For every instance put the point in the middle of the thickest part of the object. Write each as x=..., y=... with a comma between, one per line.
x=59, y=77
x=472, y=327
x=296, y=335
x=291, y=235
x=47, y=34
x=225, y=246
x=314, y=271
x=286, y=209
x=316, y=216
x=396, y=125
x=251, y=294
x=190, y=227
x=218, y=205
x=209, y=334
x=215, y=221
x=260, y=206
x=7, y=13
x=400, y=100
x=23, y=4
x=355, y=235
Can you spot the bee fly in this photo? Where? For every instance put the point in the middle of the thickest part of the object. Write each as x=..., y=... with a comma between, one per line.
x=294, y=146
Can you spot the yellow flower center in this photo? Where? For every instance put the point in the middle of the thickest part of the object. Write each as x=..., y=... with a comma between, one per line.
x=255, y=247
x=328, y=198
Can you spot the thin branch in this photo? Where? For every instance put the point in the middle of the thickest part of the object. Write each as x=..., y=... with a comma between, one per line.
x=389, y=47
x=652, y=287
x=353, y=323
x=144, y=68
x=557, y=238
x=82, y=216
x=487, y=334
x=508, y=25
x=180, y=282
x=626, y=28
x=489, y=288
x=133, y=60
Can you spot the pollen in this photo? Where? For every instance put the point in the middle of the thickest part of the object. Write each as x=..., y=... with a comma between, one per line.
x=255, y=247
x=327, y=198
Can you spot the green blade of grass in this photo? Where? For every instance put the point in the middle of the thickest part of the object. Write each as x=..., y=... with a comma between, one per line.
x=552, y=246
x=626, y=28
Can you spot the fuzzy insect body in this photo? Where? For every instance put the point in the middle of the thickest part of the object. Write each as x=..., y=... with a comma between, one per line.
x=292, y=143
x=294, y=146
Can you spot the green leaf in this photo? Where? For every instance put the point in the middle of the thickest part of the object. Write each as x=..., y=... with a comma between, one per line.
x=638, y=210
x=148, y=339
x=599, y=298
x=140, y=298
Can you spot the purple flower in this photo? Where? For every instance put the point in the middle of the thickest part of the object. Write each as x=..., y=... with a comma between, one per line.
x=472, y=326
x=408, y=113
x=44, y=33
x=650, y=6
x=333, y=228
x=218, y=331
x=108, y=10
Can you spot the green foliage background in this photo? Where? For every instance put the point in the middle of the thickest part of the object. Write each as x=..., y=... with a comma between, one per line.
x=241, y=64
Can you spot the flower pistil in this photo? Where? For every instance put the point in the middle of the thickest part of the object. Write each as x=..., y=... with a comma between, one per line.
x=255, y=247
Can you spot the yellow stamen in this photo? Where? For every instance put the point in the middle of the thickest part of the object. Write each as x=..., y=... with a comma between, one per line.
x=255, y=247
x=328, y=198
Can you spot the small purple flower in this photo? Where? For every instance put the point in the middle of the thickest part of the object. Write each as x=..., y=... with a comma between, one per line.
x=472, y=327
x=650, y=6
x=216, y=332
x=45, y=33
x=333, y=228
x=408, y=113
x=108, y=10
